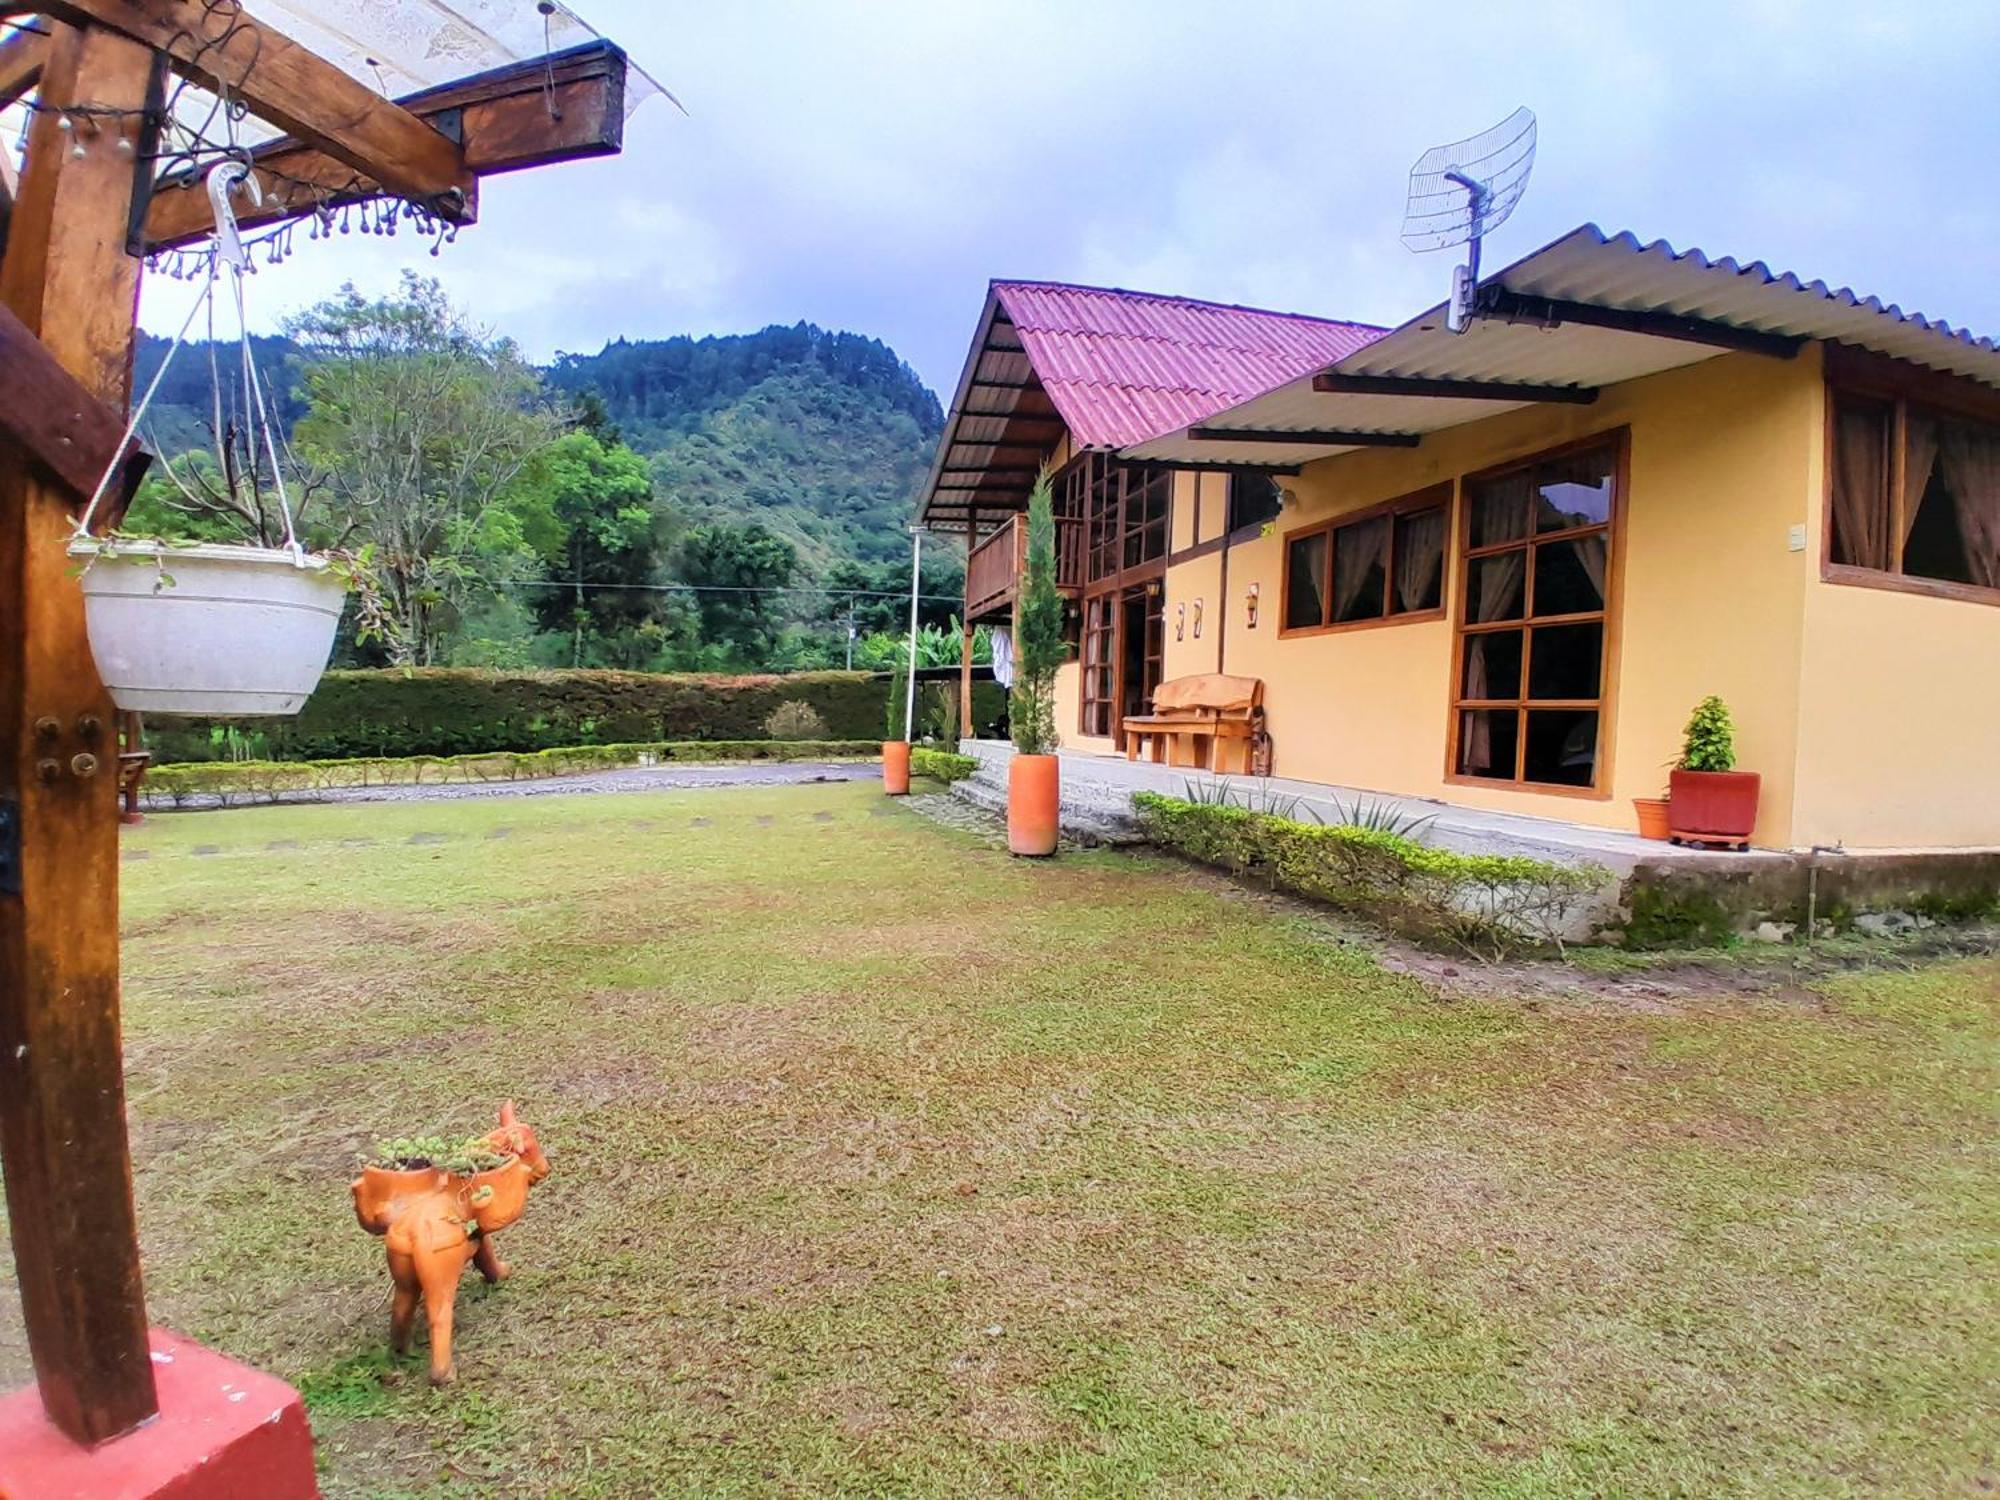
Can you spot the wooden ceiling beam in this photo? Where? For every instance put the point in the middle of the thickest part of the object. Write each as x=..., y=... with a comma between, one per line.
x=1330, y=438
x=295, y=90
x=21, y=59
x=47, y=413
x=502, y=119
x=1507, y=306
x=1331, y=383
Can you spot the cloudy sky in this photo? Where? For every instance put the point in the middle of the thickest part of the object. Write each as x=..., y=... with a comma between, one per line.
x=871, y=165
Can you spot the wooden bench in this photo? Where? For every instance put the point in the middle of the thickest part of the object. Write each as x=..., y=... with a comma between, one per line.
x=1211, y=721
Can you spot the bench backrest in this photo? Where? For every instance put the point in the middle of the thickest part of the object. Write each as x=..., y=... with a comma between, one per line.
x=1213, y=692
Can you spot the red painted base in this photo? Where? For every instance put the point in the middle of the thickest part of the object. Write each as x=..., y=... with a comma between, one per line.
x=224, y=1432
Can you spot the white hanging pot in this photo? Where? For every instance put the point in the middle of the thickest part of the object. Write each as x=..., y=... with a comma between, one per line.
x=208, y=629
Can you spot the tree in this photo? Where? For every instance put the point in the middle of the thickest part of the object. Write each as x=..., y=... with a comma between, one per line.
x=743, y=572
x=604, y=540
x=421, y=425
x=1038, y=648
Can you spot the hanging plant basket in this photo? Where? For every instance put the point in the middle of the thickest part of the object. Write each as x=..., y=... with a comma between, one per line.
x=209, y=629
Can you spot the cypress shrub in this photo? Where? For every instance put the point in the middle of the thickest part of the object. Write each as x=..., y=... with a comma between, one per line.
x=447, y=711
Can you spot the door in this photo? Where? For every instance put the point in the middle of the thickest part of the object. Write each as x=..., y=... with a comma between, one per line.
x=1142, y=645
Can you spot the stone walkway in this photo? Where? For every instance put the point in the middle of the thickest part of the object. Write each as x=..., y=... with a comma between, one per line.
x=668, y=778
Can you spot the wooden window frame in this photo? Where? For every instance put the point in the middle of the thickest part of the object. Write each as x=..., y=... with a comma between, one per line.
x=1432, y=497
x=1618, y=440
x=1899, y=385
x=1107, y=601
x=1098, y=492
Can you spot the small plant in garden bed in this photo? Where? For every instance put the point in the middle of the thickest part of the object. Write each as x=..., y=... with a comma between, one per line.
x=1485, y=904
x=940, y=765
x=413, y=1153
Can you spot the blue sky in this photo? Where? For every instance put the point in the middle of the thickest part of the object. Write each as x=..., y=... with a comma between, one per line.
x=871, y=165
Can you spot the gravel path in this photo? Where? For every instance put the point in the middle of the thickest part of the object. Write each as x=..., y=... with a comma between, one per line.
x=669, y=778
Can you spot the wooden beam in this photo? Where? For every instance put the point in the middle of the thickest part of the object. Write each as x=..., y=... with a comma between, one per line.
x=1330, y=383
x=21, y=58
x=49, y=415
x=62, y=1088
x=299, y=92
x=1030, y=470
x=502, y=118
x=1330, y=438
x=1518, y=307
x=1193, y=467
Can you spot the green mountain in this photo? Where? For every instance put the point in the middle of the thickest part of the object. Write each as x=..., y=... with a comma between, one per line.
x=822, y=436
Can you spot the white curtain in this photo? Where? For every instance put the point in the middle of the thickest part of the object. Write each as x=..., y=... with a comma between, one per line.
x=1003, y=656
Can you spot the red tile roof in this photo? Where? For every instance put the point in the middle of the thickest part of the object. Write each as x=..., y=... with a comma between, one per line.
x=1125, y=366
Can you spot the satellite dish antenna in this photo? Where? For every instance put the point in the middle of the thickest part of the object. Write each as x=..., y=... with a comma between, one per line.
x=1460, y=191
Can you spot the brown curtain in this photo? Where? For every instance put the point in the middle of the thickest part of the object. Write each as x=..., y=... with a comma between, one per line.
x=1920, y=447
x=1861, y=487
x=1357, y=551
x=1419, y=558
x=1500, y=574
x=1971, y=457
x=1592, y=551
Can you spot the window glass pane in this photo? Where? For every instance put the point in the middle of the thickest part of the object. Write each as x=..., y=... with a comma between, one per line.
x=1493, y=587
x=1419, y=580
x=1565, y=660
x=1500, y=508
x=1492, y=665
x=1305, y=582
x=1562, y=746
x=1954, y=529
x=1574, y=490
x=1487, y=738
x=1253, y=500
x=1360, y=570
x=1569, y=576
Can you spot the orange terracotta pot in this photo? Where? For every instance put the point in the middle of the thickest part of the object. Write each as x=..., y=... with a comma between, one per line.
x=1652, y=812
x=896, y=767
x=1034, y=798
x=498, y=1195
x=382, y=1193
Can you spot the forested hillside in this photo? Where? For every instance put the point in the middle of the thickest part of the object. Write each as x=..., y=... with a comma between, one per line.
x=823, y=437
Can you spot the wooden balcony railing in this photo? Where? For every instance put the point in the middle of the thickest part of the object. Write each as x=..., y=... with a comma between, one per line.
x=994, y=567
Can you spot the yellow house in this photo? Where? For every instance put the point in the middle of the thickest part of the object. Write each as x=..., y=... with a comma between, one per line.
x=1498, y=568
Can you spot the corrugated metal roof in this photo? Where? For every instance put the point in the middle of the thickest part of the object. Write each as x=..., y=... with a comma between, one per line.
x=1121, y=366
x=1585, y=266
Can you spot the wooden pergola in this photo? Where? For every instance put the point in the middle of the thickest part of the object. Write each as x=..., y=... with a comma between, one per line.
x=85, y=210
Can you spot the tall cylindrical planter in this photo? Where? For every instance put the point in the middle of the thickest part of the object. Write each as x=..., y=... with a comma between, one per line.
x=896, y=767
x=1034, y=797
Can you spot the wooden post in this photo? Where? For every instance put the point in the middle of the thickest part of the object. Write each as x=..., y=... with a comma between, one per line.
x=62, y=1090
x=965, y=647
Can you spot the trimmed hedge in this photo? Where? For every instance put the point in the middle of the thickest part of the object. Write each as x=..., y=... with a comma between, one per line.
x=444, y=711
x=1487, y=904
x=235, y=781
x=940, y=765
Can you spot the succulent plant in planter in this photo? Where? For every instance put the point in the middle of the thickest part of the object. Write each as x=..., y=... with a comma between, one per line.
x=1710, y=801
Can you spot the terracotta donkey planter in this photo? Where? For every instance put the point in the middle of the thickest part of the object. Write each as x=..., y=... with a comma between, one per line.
x=433, y=1222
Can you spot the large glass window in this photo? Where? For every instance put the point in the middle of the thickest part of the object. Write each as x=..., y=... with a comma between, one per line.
x=1119, y=510
x=1254, y=499
x=1529, y=692
x=1381, y=564
x=1916, y=491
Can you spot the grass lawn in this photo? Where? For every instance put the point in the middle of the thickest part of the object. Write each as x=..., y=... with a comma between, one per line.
x=885, y=1165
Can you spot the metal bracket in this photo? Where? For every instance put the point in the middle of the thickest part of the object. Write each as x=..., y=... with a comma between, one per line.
x=10, y=847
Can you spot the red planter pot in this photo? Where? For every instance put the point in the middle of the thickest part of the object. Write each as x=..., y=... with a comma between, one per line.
x=1713, y=807
x=1034, y=797
x=896, y=767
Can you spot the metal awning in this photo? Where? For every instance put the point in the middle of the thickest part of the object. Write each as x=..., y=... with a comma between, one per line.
x=1587, y=311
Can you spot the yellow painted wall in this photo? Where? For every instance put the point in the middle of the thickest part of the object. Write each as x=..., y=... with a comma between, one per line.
x=1724, y=457
x=1901, y=738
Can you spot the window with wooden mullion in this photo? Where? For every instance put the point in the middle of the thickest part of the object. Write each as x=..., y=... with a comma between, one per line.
x=1361, y=569
x=1528, y=687
x=1097, y=668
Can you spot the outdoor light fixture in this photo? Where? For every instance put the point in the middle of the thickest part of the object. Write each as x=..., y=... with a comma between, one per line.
x=1197, y=619
x=1250, y=605
x=1180, y=622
